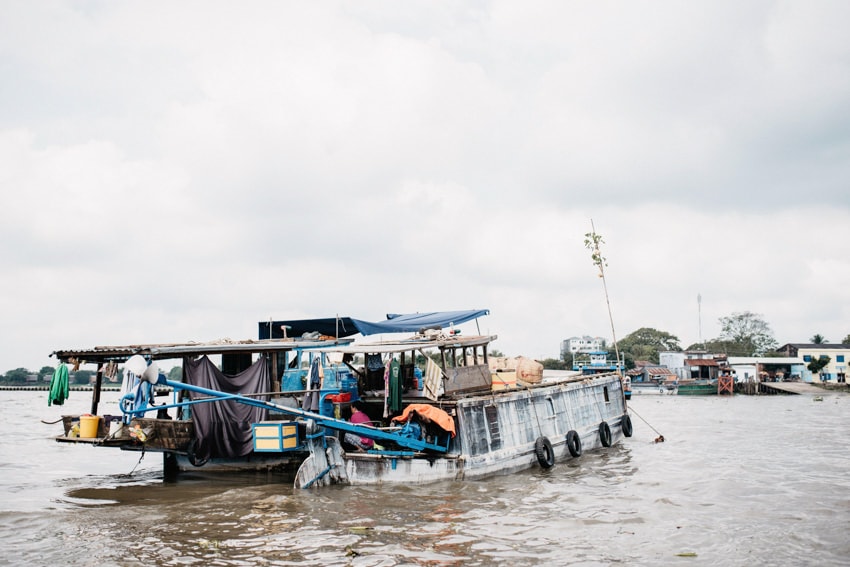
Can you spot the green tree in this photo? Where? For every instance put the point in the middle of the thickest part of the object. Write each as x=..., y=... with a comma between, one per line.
x=818, y=364
x=83, y=376
x=555, y=364
x=46, y=373
x=818, y=339
x=17, y=375
x=646, y=343
x=175, y=374
x=746, y=334
x=846, y=340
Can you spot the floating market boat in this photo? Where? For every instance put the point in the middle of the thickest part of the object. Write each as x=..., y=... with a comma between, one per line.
x=437, y=405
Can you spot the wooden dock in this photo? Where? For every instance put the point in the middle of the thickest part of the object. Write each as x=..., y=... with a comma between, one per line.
x=789, y=388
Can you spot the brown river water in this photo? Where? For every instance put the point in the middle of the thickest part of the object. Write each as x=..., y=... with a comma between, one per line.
x=738, y=481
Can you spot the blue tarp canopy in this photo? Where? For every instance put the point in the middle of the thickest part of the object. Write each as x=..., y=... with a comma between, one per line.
x=346, y=326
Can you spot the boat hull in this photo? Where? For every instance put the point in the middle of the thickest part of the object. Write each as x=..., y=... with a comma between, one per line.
x=498, y=433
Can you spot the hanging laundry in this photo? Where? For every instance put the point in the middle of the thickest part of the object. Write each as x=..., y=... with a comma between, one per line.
x=433, y=380
x=395, y=387
x=314, y=385
x=58, y=386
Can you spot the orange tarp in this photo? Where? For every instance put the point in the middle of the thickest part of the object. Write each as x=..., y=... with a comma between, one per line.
x=429, y=412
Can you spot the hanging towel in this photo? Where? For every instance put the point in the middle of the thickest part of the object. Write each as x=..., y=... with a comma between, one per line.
x=387, y=389
x=314, y=385
x=396, y=387
x=58, y=386
x=433, y=380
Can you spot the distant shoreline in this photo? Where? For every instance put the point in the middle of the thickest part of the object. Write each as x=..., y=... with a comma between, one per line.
x=45, y=388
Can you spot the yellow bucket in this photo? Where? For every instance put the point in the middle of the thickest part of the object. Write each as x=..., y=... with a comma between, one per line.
x=88, y=426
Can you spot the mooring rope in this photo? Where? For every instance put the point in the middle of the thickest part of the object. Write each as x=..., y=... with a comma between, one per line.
x=660, y=436
x=137, y=464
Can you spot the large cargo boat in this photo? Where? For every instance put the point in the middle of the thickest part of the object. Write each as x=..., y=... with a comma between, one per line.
x=436, y=406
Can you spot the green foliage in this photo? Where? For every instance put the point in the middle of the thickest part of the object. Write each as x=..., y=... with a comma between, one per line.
x=555, y=364
x=175, y=374
x=592, y=242
x=846, y=340
x=17, y=375
x=818, y=364
x=746, y=334
x=83, y=376
x=818, y=339
x=46, y=372
x=646, y=343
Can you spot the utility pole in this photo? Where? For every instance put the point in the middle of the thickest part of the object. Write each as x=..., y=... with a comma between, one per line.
x=699, y=317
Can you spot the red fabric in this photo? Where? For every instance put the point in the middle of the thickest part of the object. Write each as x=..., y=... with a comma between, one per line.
x=433, y=413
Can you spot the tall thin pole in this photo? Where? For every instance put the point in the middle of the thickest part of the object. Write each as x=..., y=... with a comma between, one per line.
x=592, y=242
x=699, y=318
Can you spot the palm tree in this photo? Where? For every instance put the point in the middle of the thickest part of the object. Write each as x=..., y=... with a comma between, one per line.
x=818, y=339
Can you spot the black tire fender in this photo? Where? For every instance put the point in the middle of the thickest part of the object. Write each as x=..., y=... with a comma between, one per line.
x=574, y=443
x=544, y=452
x=193, y=458
x=626, y=424
x=605, y=434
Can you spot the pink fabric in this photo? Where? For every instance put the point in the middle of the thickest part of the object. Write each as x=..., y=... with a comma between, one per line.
x=358, y=417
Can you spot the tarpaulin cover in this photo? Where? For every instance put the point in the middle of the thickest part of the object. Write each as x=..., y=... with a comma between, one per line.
x=330, y=326
x=223, y=428
x=346, y=326
x=432, y=413
x=412, y=322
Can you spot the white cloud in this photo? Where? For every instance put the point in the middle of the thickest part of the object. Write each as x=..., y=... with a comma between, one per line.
x=181, y=172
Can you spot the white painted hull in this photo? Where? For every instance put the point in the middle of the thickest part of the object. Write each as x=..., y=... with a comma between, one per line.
x=496, y=435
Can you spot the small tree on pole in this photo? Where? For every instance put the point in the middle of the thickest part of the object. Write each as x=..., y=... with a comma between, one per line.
x=593, y=241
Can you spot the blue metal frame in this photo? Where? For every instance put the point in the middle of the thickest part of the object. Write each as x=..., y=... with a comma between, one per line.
x=323, y=421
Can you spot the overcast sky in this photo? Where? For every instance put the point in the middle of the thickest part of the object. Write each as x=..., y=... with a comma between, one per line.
x=179, y=171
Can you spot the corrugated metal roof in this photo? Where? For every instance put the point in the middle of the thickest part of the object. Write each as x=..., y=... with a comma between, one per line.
x=179, y=350
x=701, y=362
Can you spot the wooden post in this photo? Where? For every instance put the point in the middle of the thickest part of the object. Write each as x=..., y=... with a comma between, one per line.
x=95, y=395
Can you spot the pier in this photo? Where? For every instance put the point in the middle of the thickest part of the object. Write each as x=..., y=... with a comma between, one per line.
x=772, y=388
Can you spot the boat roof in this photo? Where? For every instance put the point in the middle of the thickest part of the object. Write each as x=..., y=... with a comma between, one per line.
x=328, y=334
x=347, y=326
x=413, y=343
x=179, y=350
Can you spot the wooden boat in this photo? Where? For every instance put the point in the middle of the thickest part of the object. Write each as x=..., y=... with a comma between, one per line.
x=437, y=409
x=697, y=388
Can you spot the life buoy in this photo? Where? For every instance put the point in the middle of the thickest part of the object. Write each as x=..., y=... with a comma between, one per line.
x=605, y=434
x=626, y=424
x=574, y=443
x=193, y=458
x=545, y=453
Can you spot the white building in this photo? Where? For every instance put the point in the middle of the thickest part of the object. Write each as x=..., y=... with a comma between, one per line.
x=586, y=343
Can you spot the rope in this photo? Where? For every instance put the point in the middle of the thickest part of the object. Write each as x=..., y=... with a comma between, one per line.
x=660, y=436
x=137, y=464
x=51, y=422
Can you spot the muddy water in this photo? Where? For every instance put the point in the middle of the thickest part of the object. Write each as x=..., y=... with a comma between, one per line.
x=741, y=481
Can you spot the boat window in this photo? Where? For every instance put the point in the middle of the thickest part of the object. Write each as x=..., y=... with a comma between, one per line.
x=605, y=392
x=551, y=405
